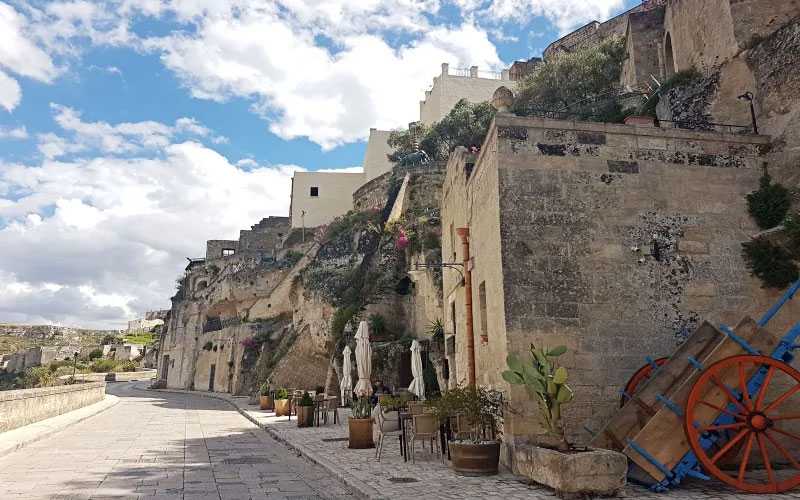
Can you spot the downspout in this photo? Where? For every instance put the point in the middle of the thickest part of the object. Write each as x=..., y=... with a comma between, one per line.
x=463, y=233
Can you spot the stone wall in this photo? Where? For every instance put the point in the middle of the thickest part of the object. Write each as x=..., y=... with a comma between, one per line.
x=376, y=162
x=613, y=240
x=26, y=406
x=214, y=248
x=643, y=39
x=372, y=195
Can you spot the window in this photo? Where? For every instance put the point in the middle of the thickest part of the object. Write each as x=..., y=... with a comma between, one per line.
x=314, y=191
x=453, y=241
x=482, y=305
x=227, y=252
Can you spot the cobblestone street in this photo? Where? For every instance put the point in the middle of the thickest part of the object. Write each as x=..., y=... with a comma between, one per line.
x=165, y=446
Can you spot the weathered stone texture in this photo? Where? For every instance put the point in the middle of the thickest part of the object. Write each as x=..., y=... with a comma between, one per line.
x=615, y=251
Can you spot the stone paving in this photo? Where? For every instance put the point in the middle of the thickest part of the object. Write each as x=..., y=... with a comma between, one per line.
x=163, y=446
x=429, y=478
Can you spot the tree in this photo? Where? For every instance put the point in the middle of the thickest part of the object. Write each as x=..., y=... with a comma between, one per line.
x=465, y=125
x=583, y=83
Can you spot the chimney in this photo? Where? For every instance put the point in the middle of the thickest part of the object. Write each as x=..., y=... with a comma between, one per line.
x=445, y=69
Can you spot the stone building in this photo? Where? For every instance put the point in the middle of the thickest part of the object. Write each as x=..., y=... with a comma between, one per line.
x=320, y=197
x=453, y=85
x=35, y=356
x=613, y=240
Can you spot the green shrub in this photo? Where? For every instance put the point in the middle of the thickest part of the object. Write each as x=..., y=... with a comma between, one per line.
x=377, y=325
x=679, y=79
x=771, y=263
x=769, y=204
x=792, y=228
x=103, y=365
x=208, y=346
x=126, y=366
x=95, y=354
x=281, y=394
x=306, y=400
x=577, y=82
x=37, y=376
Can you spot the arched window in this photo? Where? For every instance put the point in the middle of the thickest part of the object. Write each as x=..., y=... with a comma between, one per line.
x=669, y=58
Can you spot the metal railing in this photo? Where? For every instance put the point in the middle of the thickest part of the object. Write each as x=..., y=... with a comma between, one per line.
x=467, y=72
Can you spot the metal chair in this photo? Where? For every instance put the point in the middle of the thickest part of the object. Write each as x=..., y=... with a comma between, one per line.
x=382, y=433
x=331, y=405
x=424, y=427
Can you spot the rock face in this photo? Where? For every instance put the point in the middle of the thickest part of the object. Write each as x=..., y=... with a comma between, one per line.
x=574, y=475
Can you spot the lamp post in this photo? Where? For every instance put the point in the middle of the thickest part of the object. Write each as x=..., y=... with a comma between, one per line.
x=748, y=96
x=74, y=364
x=303, y=222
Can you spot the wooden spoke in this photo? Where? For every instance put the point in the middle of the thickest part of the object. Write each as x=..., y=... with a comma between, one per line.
x=743, y=387
x=786, y=395
x=737, y=416
x=783, y=451
x=748, y=429
x=746, y=457
x=788, y=434
x=730, y=444
x=795, y=416
x=728, y=393
x=763, y=392
x=737, y=425
x=765, y=456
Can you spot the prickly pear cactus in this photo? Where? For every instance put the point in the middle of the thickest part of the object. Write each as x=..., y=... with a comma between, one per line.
x=546, y=381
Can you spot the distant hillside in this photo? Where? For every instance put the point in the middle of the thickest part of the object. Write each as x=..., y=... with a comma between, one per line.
x=17, y=337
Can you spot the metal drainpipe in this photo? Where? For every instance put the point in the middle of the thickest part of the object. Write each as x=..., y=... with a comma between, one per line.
x=463, y=233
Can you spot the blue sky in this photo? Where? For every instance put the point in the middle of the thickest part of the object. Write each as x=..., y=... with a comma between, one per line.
x=123, y=121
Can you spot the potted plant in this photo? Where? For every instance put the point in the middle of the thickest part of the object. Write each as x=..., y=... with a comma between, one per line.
x=265, y=400
x=360, y=424
x=282, y=406
x=555, y=462
x=476, y=449
x=305, y=411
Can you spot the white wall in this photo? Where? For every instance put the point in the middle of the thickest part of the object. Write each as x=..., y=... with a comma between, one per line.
x=449, y=89
x=375, y=161
x=335, y=196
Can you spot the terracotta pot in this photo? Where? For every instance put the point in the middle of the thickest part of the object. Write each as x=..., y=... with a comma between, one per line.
x=360, y=433
x=282, y=408
x=265, y=402
x=474, y=459
x=305, y=416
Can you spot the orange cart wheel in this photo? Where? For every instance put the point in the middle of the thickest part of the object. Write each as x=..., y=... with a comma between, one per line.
x=638, y=378
x=764, y=425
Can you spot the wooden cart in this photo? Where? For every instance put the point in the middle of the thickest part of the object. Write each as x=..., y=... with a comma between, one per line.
x=726, y=405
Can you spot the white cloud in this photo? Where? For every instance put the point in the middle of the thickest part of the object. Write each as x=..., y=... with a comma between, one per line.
x=122, y=138
x=102, y=238
x=17, y=133
x=564, y=14
x=304, y=89
x=20, y=55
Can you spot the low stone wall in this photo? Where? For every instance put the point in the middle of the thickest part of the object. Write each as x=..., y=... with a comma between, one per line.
x=26, y=406
x=120, y=376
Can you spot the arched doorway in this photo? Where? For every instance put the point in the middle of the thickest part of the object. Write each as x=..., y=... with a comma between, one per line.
x=669, y=58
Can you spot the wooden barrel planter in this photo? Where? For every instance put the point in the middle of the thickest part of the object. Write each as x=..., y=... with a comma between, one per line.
x=265, y=402
x=474, y=459
x=360, y=433
x=305, y=416
x=282, y=408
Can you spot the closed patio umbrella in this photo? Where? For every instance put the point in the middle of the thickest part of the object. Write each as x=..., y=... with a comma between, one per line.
x=346, y=384
x=363, y=360
x=418, y=384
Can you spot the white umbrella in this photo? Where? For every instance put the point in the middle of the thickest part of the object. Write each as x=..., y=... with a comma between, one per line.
x=418, y=384
x=363, y=360
x=346, y=384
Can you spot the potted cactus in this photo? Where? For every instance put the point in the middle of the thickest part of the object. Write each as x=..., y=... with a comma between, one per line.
x=547, y=382
x=360, y=424
x=282, y=406
x=264, y=400
x=554, y=462
x=305, y=411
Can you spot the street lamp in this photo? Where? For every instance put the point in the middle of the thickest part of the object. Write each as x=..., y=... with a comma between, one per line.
x=748, y=96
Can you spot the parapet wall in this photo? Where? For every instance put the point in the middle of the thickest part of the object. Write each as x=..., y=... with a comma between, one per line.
x=26, y=406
